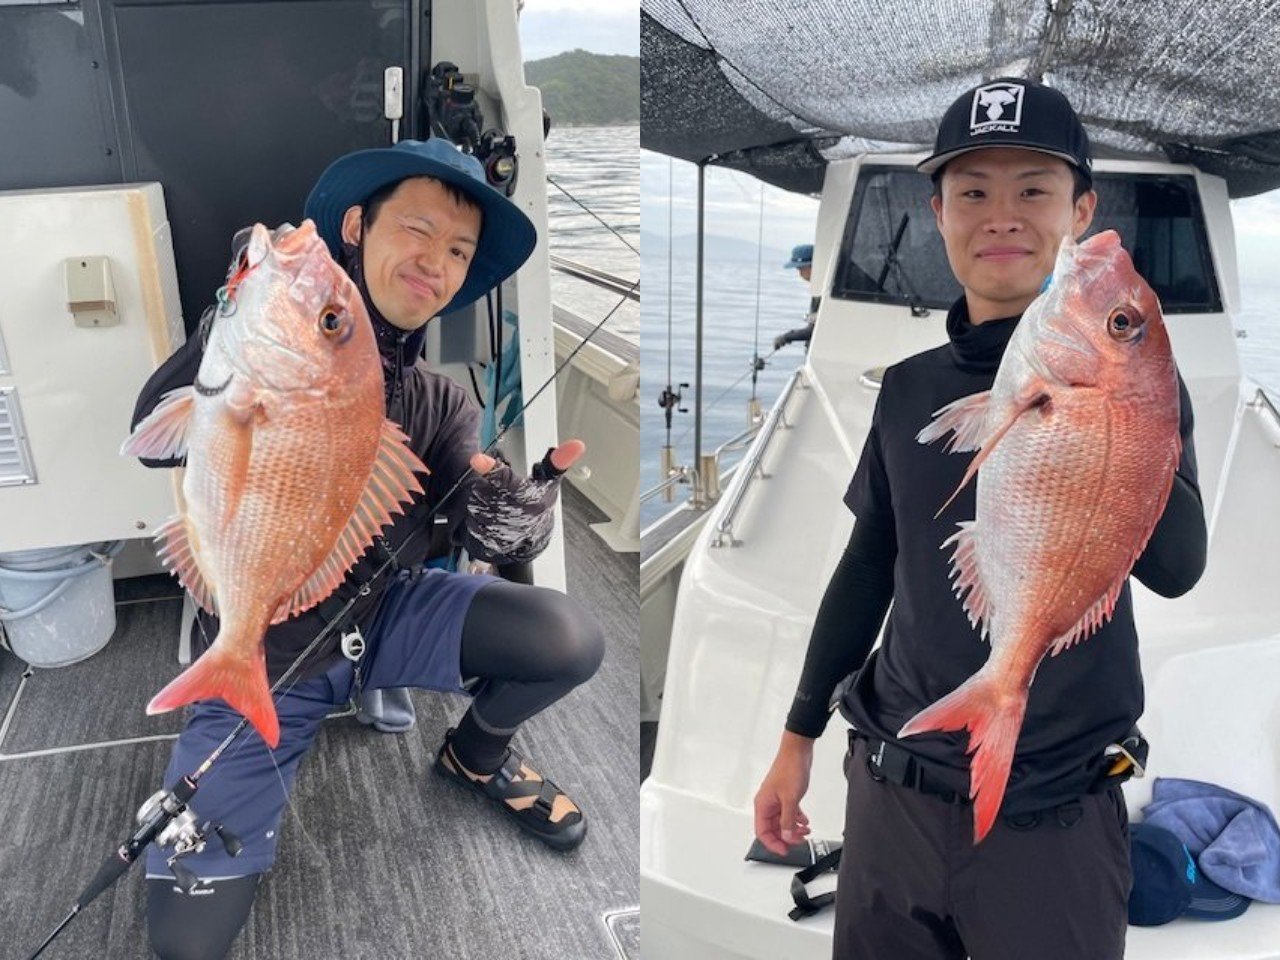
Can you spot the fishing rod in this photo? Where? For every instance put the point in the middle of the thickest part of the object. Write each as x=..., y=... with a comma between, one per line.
x=670, y=400
x=625, y=241
x=166, y=817
x=757, y=362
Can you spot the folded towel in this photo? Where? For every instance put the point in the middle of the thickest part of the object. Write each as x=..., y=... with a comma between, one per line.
x=1234, y=838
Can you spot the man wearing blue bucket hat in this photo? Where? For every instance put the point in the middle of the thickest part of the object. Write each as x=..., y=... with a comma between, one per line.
x=422, y=233
x=802, y=262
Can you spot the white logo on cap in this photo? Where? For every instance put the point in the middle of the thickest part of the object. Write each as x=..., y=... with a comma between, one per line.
x=997, y=108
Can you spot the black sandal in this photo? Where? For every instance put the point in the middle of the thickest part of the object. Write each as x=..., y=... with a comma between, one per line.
x=563, y=834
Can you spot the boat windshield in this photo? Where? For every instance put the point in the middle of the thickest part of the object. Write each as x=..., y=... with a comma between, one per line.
x=892, y=252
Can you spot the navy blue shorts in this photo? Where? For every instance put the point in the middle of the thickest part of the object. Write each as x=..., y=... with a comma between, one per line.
x=415, y=641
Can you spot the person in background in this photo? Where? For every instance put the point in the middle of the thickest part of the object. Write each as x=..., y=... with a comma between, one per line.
x=802, y=262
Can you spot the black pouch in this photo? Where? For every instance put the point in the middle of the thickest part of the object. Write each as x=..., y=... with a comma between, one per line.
x=804, y=854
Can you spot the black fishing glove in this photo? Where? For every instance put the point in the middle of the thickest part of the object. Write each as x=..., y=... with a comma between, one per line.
x=510, y=519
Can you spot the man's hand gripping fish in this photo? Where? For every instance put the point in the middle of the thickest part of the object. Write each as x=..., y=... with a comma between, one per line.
x=292, y=466
x=1077, y=444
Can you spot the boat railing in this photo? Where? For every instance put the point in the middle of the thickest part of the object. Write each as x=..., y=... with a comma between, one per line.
x=704, y=485
x=678, y=475
x=597, y=277
x=753, y=465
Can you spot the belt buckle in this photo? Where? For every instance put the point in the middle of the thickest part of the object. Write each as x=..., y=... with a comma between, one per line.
x=875, y=759
x=1121, y=756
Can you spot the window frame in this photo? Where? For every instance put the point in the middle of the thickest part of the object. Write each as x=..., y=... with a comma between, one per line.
x=841, y=290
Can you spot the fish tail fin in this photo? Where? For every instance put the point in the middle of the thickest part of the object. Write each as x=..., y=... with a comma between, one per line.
x=993, y=716
x=241, y=683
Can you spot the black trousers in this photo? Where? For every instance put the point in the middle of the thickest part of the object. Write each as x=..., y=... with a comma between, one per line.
x=913, y=886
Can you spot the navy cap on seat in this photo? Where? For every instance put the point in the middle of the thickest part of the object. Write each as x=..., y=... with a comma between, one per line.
x=1011, y=112
x=1167, y=883
x=507, y=236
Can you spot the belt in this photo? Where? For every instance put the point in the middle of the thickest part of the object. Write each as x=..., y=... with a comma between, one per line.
x=890, y=762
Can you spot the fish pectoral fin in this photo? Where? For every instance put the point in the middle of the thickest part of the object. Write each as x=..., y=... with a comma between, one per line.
x=162, y=434
x=966, y=417
x=391, y=482
x=179, y=553
x=969, y=586
x=1033, y=398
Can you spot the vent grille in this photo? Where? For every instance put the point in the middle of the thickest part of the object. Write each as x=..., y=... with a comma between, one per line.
x=16, y=464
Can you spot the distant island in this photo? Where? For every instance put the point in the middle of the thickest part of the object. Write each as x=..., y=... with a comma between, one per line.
x=581, y=89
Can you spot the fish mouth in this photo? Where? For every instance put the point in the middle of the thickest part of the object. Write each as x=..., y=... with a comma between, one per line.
x=204, y=391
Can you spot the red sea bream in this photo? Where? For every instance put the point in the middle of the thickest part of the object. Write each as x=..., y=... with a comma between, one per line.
x=1077, y=444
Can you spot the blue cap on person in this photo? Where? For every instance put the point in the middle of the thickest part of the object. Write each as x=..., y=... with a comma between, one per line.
x=507, y=236
x=801, y=256
x=1167, y=884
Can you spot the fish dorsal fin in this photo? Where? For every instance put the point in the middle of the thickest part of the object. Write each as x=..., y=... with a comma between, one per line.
x=162, y=434
x=390, y=483
x=180, y=555
x=968, y=584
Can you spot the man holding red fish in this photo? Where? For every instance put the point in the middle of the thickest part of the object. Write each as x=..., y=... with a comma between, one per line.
x=982, y=820
x=412, y=232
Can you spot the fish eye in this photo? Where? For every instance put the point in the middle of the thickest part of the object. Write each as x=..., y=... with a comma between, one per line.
x=1124, y=323
x=330, y=322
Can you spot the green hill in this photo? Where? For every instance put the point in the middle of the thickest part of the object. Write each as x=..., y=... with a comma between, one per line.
x=587, y=89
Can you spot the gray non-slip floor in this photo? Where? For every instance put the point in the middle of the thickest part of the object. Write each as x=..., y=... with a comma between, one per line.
x=379, y=858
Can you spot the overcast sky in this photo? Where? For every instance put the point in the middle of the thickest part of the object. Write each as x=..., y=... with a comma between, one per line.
x=548, y=27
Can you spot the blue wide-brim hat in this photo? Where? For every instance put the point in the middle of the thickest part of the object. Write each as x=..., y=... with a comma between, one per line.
x=507, y=236
x=801, y=256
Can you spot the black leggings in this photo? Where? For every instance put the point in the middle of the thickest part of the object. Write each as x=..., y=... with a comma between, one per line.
x=528, y=647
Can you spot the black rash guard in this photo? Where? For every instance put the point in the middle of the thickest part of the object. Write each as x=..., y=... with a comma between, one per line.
x=1080, y=702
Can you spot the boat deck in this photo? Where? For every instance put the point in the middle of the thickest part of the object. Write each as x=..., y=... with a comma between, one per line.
x=379, y=858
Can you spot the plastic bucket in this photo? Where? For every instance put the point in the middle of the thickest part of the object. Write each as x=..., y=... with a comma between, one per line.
x=57, y=604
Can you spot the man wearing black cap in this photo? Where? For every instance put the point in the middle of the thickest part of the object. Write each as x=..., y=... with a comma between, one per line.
x=421, y=232
x=1012, y=177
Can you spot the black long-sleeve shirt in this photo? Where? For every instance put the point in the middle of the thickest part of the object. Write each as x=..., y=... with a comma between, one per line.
x=1079, y=703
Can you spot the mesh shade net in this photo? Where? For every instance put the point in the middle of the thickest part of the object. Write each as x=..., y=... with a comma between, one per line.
x=778, y=88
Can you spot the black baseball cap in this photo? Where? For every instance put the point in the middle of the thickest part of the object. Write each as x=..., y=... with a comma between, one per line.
x=1167, y=884
x=1011, y=112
